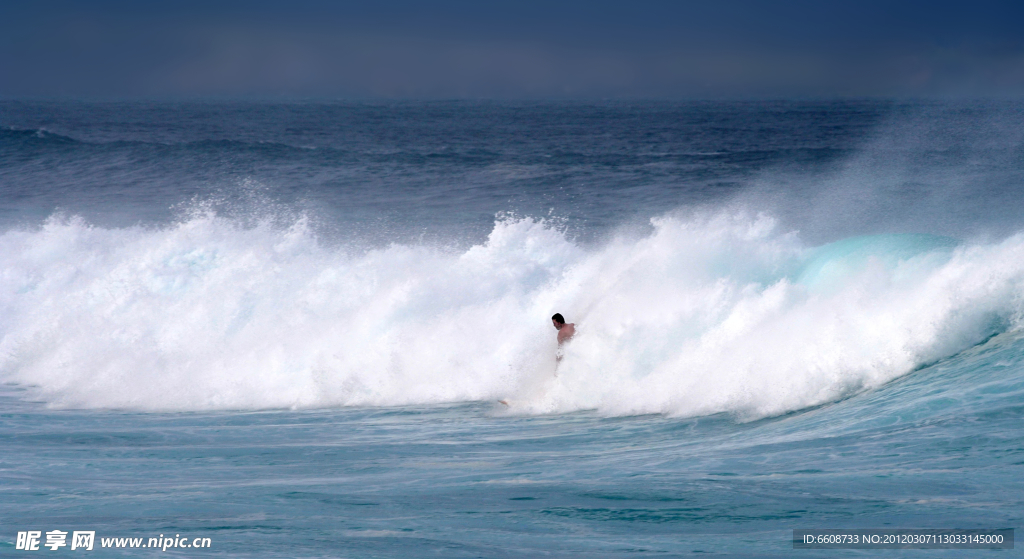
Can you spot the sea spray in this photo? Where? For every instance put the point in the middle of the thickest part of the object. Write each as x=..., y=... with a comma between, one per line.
x=707, y=312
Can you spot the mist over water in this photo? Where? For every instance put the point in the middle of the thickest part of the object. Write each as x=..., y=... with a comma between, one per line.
x=947, y=169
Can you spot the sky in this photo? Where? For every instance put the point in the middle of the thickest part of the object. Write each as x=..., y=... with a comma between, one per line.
x=523, y=49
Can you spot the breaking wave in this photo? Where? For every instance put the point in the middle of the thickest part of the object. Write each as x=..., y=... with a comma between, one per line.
x=702, y=313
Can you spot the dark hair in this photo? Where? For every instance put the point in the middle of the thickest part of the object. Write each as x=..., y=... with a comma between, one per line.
x=558, y=318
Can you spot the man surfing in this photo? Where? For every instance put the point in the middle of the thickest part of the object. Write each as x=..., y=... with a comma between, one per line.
x=565, y=331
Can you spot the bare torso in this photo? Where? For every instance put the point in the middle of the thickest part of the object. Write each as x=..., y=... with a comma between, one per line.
x=565, y=333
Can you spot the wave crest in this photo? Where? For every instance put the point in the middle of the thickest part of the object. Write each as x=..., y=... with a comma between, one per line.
x=703, y=314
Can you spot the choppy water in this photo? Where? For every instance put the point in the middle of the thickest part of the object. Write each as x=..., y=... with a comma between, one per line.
x=285, y=327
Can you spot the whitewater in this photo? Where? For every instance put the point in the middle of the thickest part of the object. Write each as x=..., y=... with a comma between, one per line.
x=703, y=314
x=286, y=327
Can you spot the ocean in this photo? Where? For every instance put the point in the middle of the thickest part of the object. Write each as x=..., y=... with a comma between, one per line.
x=282, y=329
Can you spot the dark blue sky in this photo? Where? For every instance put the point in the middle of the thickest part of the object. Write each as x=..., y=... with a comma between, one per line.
x=504, y=49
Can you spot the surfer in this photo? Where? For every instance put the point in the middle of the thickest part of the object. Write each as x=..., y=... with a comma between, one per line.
x=565, y=331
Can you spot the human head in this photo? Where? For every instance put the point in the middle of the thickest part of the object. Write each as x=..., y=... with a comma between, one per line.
x=559, y=320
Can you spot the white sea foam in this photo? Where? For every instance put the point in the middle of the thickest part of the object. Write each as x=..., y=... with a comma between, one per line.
x=704, y=314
